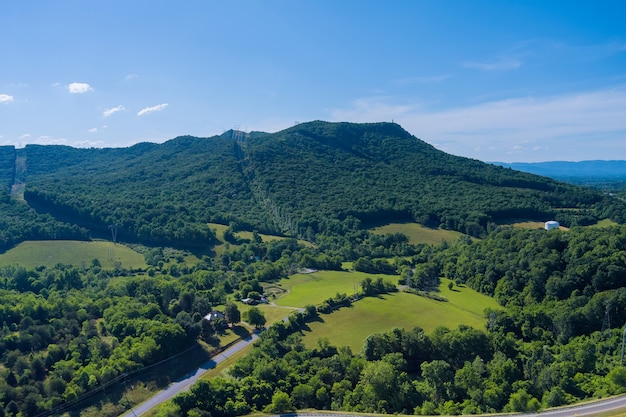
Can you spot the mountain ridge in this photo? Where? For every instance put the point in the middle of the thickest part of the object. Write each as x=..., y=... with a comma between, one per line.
x=310, y=179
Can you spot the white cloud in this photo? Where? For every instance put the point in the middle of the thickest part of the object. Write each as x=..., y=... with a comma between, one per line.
x=5, y=98
x=47, y=140
x=500, y=64
x=577, y=126
x=112, y=110
x=373, y=109
x=131, y=77
x=88, y=144
x=79, y=88
x=25, y=136
x=152, y=109
x=93, y=130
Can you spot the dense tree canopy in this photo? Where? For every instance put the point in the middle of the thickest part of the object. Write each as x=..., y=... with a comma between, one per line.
x=314, y=178
x=69, y=329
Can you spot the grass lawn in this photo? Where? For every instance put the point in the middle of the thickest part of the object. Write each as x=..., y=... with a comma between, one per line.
x=36, y=253
x=350, y=326
x=271, y=313
x=528, y=224
x=314, y=288
x=418, y=233
x=534, y=225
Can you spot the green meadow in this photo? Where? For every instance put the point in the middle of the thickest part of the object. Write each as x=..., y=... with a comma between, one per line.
x=350, y=326
x=32, y=254
x=418, y=233
x=303, y=289
x=272, y=313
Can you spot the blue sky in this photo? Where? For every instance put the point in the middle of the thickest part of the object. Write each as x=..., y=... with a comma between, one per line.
x=492, y=80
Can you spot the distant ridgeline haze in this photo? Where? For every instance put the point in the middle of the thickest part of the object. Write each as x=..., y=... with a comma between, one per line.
x=601, y=174
x=313, y=178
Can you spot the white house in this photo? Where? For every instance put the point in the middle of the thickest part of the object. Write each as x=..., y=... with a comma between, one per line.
x=551, y=225
x=215, y=315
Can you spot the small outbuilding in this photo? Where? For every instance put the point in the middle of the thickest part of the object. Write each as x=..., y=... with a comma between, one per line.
x=249, y=301
x=551, y=225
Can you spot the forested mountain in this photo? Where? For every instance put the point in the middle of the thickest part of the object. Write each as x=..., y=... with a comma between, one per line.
x=70, y=335
x=302, y=181
x=17, y=220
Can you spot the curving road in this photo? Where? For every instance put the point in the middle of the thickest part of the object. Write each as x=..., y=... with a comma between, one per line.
x=188, y=380
x=588, y=409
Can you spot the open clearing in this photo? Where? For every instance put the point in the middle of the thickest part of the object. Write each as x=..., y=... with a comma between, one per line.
x=605, y=223
x=418, y=233
x=314, y=288
x=349, y=326
x=531, y=224
x=32, y=254
x=224, y=246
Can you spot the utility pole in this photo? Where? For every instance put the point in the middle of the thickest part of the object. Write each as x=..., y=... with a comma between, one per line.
x=113, y=229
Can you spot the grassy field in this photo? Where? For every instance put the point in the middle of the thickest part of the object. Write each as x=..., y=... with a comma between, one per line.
x=72, y=252
x=224, y=246
x=605, y=223
x=350, y=326
x=314, y=288
x=271, y=313
x=527, y=224
x=418, y=233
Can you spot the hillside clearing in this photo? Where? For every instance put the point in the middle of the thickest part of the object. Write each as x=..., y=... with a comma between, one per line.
x=312, y=289
x=34, y=253
x=418, y=233
x=224, y=246
x=350, y=326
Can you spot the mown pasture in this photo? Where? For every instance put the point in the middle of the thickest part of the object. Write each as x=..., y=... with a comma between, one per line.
x=418, y=233
x=313, y=288
x=32, y=254
x=349, y=326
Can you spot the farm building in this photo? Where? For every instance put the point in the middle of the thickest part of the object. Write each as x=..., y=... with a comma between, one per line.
x=551, y=225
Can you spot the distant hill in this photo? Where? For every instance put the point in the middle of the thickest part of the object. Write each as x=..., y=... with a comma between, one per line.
x=313, y=178
x=594, y=173
x=564, y=169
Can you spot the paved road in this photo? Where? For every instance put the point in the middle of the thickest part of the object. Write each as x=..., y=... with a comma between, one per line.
x=188, y=380
x=589, y=409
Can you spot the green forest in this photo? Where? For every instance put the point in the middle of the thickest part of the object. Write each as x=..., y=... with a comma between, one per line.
x=69, y=330
x=312, y=179
x=71, y=333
